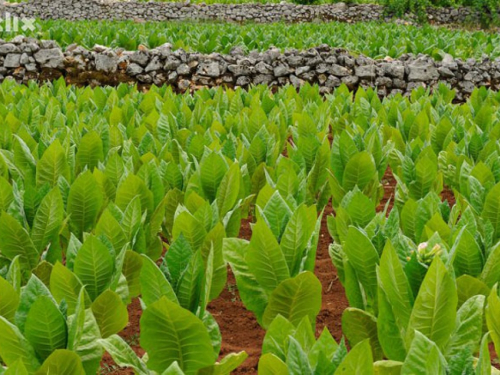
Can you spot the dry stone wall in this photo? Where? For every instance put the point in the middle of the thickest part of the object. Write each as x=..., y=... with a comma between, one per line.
x=25, y=59
x=168, y=11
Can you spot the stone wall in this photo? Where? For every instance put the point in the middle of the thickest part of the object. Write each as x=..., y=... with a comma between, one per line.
x=25, y=59
x=168, y=11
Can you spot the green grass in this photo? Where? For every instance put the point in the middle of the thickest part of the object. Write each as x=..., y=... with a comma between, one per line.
x=372, y=39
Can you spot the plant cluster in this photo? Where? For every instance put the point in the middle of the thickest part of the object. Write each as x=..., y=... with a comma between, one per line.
x=375, y=40
x=109, y=194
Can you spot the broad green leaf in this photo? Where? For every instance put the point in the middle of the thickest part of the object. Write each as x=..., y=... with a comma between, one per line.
x=94, y=266
x=359, y=361
x=387, y=367
x=359, y=171
x=468, y=327
x=85, y=200
x=13, y=346
x=228, y=364
x=294, y=299
x=276, y=337
x=434, y=311
x=265, y=258
x=296, y=360
x=493, y=317
x=123, y=354
x=48, y=220
x=212, y=171
x=9, y=300
x=90, y=151
x=52, y=165
x=170, y=333
x=88, y=349
x=395, y=284
x=66, y=286
x=269, y=364
x=110, y=313
x=252, y=294
x=424, y=357
x=33, y=290
x=62, y=361
x=357, y=326
x=45, y=327
x=483, y=366
x=296, y=236
x=364, y=258
x=391, y=335
x=15, y=241
x=154, y=284
x=228, y=191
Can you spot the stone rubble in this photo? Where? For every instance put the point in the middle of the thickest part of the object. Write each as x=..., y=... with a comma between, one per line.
x=254, y=12
x=25, y=59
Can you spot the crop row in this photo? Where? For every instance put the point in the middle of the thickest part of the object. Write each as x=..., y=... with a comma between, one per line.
x=372, y=39
x=110, y=194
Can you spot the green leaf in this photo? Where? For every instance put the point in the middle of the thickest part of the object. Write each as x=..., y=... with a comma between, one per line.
x=13, y=346
x=33, y=290
x=357, y=326
x=276, y=337
x=122, y=354
x=364, y=258
x=228, y=191
x=48, y=220
x=85, y=200
x=52, y=165
x=90, y=151
x=65, y=285
x=491, y=270
x=9, y=300
x=189, y=290
x=468, y=327
x=212, y=171
x=17, y=368
x=45, y=327
x=252, y=294
x=387, y=367
x=434, y=312
x=491, y=210
x=110, y=313
x=228, y=364
x=483, y=366
x=132, y=267
x=423, y=357
x=15, y=241
x=269, y=364
x=391, y=335
x=297, y=235
x=265, y=258
x=88, y=349
x=94, y=266
x=493, y=317
x=395, y=284
x=276, y=213
x=62, y=361
x=170, y=333
x=359, y=361
x=296, y=360
x=154, y=284
x=359, y=171
x=294, y=299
